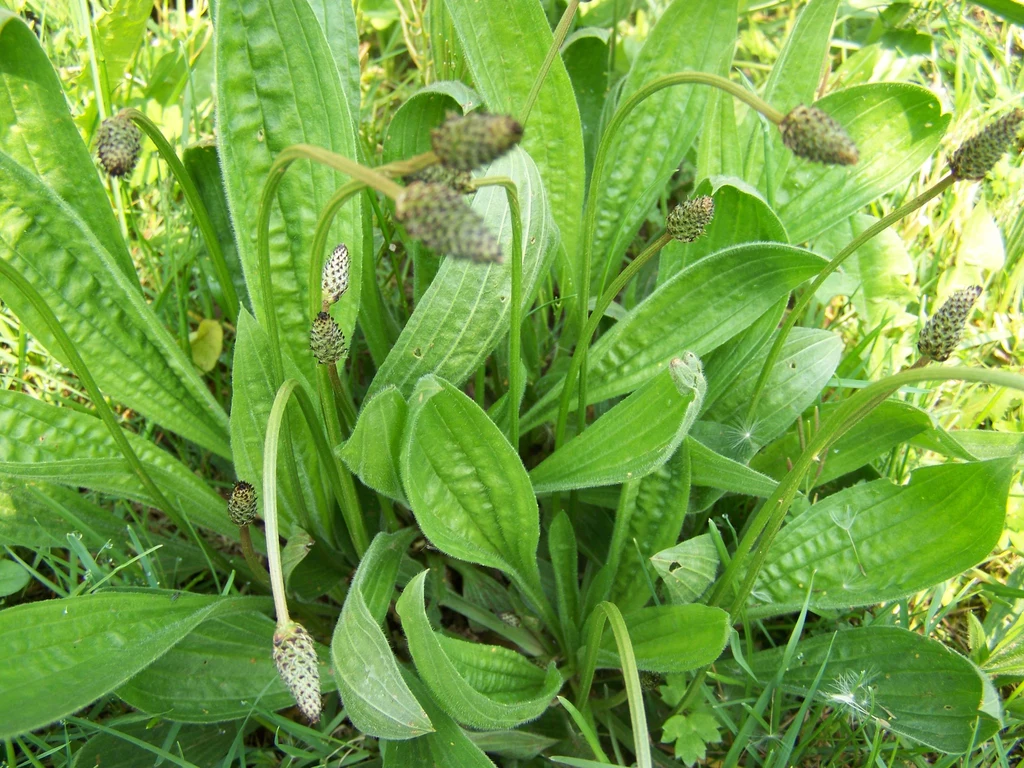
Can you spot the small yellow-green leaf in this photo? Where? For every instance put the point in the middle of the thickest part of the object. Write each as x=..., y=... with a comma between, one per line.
x=207, y=342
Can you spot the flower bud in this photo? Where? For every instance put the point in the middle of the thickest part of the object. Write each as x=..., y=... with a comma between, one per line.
x=942, y=333
x=467, y=142
x=334, y=280
x=295, y=657
x=649, y=681
x=242, y=504
x=327, y=340
x=438, y=216
x=812, y=134
x=688, y=220
x=118, y=142
x=978, y=154
x=460, y=181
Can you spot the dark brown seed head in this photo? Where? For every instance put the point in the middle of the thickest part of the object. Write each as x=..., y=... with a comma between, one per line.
x=650, y=680
x=334, y=280
x=978, y=154
x=688, y=220
x=467, y=142
x=813, y=134
x=118, y=142
x=941, y=335
x=242, y=504
x=327, y=340
x=438, y=216
x=295, y=657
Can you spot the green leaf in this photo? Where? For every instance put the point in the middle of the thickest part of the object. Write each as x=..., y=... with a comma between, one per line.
x=252, y=397
x=448, y=747
x=807, y=361
x=697, y=309
x=519, y=744
x=223, y=670
x=467, y=486
x=888, y=425
x=37, y=131
x=376, y=698
x=671, y=638
x=481, y=686
x=878, y=541
x=644, y=154
x=73, y=448
x=634, y=438
x=719, y=148
x=200, y=745
x=970, y=444
x=688, y=568
x=13, y=577
x=408, y=132
x=692, y=733
x=63, y=654
x=203, y=165
x=794, y=80
x=740, y=217
x=119, y=33
x=338, y=21
x=124, y=344
x=374, y=450
x=272, y=57
x=1010, y=10
x=565, y=566
x=207, y=342
x=505, y=45
x=464, y=313
x=916, y=686
x=896, y=127
x=713, y=470
x=585, y=54
x=657, y=519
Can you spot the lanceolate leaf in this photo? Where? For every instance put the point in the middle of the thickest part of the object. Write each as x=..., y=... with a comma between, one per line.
x=878, y=541
x=46, y=141
x=916, y=686
x=630, y=441
x=121, y=340
x=671, y=638
x=376, y=698
x=448, y=747
x=272, y=93
x=482, y=686
x=465, y=312
x=63, y=654
x=223, y=670
x=338, y=21
x=688, y=568
x=700, y=308
x=505, y=45
x=467, y=486
x=374, y=450
x=647, y=151
x=896, y=126
x=69, y=447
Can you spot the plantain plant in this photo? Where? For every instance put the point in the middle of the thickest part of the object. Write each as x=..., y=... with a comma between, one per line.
x=542, y=498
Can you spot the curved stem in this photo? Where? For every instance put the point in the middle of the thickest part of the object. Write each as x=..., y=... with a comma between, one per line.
x=769, y=519
x=828, y=269
x=578, y=357
x=515, y=331
x=195, y=202
x=601, y=158
x=104, y=411
x=276, y=173
x=556, y=44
